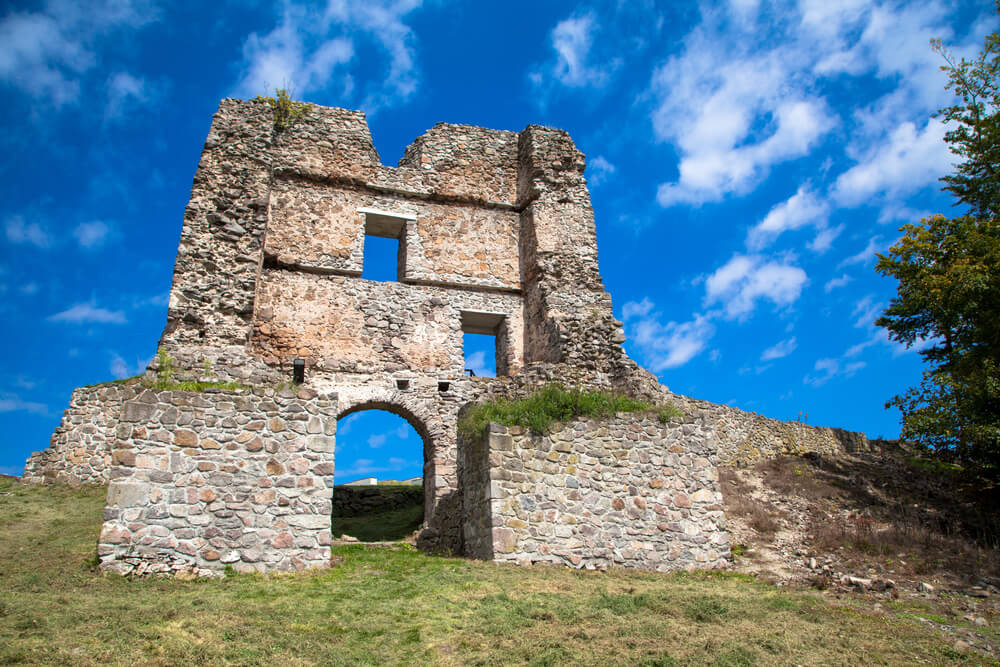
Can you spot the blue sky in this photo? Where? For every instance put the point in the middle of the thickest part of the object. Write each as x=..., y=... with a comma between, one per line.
x=746, y=161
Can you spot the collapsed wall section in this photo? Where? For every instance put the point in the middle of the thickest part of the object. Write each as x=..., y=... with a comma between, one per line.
x=745, y=438
x=79, y=451
x=201, y=481
x=629, y=491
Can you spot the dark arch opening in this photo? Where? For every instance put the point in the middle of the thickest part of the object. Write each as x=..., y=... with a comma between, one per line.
x=379, y=472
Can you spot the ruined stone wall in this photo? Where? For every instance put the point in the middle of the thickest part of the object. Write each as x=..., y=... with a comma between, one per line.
x=366, y=500
x=79, y=451
x=321, y=228
x=343, y=325
x=628, y=491
x=204, y=480
x=745, y=438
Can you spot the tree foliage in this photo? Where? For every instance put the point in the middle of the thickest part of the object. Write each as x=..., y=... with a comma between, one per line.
x=948, y=298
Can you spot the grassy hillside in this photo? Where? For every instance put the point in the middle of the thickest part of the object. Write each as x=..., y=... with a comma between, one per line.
x=395, y=605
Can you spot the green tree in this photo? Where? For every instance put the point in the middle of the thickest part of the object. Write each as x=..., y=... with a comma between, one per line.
x=948, y=298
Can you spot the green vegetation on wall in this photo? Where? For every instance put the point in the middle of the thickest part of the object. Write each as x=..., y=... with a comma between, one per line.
x=553, y=403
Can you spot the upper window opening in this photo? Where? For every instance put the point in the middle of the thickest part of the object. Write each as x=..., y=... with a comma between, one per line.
x=385, y=245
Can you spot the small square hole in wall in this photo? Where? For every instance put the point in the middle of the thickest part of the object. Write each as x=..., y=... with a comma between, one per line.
x=444, y=386
x=402, y=384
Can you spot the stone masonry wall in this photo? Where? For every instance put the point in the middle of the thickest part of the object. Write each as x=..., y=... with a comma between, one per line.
x=744, y=438
x=366, y=500
x=205, y=480
x=339, y=324
x=79, y=451
x=629, y=491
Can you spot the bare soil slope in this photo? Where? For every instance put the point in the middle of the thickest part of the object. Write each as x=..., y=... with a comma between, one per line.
x=901, y=531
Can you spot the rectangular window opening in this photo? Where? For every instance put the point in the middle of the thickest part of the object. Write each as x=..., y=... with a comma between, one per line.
x=385, y=245
x=484, y=347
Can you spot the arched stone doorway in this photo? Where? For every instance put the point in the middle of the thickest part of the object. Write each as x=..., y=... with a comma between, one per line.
x=435, y=425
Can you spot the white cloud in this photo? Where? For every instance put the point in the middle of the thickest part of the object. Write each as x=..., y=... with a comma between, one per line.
x=368, y=467
x=46, y=53
x=909, y=159
x=834, y=283
x=825, y=238
x=866, y=311
x=865, y=255
x=748, y=90
x=19, y=232
x=599, y=170
x=827, y=369
x=637, y=309
x=477, y=362
x=91, y=235
x=88, y=313
x=311, y=50
x=779, y=350
x=344, y=425
x=126, y=92
x=672, y=344
x=11, y=403
x=801, y=209
x=376, y=440
x=746, y=279
x=733, y=111
x=121, y=369
x=571, y=40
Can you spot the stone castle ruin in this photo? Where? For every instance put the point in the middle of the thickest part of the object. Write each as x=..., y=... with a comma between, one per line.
x=496, y=236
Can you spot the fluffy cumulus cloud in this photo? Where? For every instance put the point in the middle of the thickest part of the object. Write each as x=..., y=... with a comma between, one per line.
x=46, y=53
x=312, y=49
x=665, y=345
x=801, y=209
x=745, y=93
x=745, y=280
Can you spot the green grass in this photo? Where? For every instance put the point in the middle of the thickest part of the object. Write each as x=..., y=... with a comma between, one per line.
x=395, y=605
x=553, y=403
x=192, y=385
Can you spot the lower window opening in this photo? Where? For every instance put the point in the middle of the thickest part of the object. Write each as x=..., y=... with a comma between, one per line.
x=480, y=354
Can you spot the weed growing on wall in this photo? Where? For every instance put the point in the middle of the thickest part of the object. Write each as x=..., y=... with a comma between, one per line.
x=553, y=403
x=286, y=110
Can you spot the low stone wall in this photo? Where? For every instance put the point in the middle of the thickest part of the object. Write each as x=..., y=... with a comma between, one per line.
x=204, y=480
x=628, y=491
x=364, y=500
x=745, y=438
x=79, y=451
